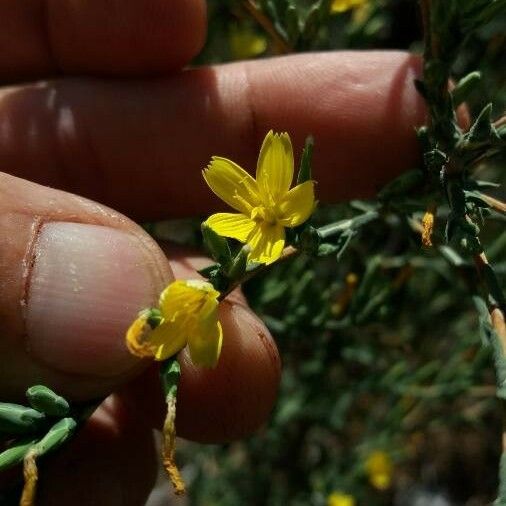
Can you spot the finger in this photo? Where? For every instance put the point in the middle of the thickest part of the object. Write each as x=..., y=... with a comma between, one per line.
x=73, y=275
x=230, y=401
x=140, y=147
x=112, y=37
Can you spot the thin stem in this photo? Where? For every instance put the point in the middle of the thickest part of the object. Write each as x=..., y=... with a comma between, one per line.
x=340, y=226
x=287, y=253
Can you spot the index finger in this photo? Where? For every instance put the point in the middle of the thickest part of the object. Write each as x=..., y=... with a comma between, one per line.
x=140, y=146
x=111, y=37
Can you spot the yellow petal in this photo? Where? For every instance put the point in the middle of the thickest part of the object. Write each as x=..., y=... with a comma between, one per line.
x=169, y=338
x=275, y=167
x=236, y=226
x=206, y=338
x=267, y=242
x=205, y=348
x=232, y=184
x=297, y=205
x=184, y=296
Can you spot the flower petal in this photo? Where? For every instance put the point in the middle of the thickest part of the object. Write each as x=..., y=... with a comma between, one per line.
x=232, y=184
x=275, y=167
x=184, y=296
x=236, y=226
x=297, y=205
x=169, y=338
x=267, y=243
x=206, y=339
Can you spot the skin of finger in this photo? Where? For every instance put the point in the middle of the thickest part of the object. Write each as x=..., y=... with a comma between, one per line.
x=24, y=207
x=228, y=402
x=114, y=37
x=140, y=146
x=113, y=459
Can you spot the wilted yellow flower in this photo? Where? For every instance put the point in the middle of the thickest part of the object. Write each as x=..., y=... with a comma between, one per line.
x=338, y=6
x=379, y=470
x=189, y=315
x=246, y=43
x=266, y=205
x=340, y=499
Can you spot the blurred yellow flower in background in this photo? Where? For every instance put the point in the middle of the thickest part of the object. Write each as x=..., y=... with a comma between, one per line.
x=379, y=470
x=245, y=42
x=266, y=204
x=340, y=499
x=338, y=6
x=189, y=315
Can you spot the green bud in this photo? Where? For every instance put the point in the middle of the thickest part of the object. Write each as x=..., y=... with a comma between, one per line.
x=57, y=435
x=15, y=453
x=46, y=401
x=17, y=419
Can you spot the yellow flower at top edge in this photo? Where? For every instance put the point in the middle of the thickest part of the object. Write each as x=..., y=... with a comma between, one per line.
x=379, y=470
x=189, y=315
x=340, y=499
x=338, y=6
x=266, y=204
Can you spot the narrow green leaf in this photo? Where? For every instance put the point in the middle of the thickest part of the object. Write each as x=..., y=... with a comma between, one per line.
x=46, y=401
x=17, y=419
x=15, y=453
x=464, y=88
x=56, y=436
x=170, y=373
x=305, y=161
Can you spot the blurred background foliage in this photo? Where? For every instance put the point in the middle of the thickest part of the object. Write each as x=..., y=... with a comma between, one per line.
x=387, y=393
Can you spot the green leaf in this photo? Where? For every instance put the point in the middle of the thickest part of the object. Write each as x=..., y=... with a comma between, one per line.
x=482, y=130
x=305, y=161
x=56, y=436
x=464, y=88
x=170, y=373
x=17, y=419
x=46, y=401
x=210, y=271
x=217, y=246
x=15, y=453
x=239, y=263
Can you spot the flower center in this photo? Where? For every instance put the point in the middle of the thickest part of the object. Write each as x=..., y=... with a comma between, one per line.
x=263, y=213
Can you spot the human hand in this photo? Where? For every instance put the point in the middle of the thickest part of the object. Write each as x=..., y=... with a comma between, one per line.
x=73, y=273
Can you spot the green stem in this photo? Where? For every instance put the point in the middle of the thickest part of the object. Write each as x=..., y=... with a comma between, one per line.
x=340, y=226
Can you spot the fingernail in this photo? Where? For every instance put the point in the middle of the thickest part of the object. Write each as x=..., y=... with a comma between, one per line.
x=86, y=285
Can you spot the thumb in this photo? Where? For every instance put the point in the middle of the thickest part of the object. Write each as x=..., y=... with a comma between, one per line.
x=73, y=274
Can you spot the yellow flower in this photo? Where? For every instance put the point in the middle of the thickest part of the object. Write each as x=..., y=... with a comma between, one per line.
x=340, y=499
x=266, y=205
x=246, y=43
x=189, y=315
x=338, y=6
x=379, y=470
